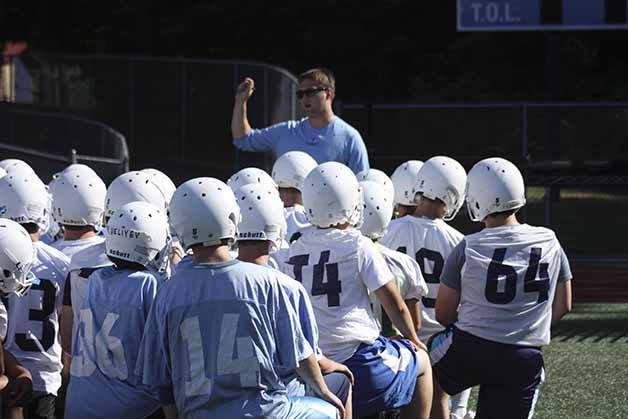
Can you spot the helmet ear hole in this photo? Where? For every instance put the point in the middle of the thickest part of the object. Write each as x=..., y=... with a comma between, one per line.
x=6, y=273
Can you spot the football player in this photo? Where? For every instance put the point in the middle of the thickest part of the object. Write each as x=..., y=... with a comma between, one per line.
x=381, y=178
x=17, y=256
x=424, y=235
x=250, y=175
x=260, y=234
x=78, y=204
x=113, y=316
x=376, y=216
x=33, y=332
x=505, y=285
x=404, y=178
x=289, y=171
x=218, y=331
x=338, y=267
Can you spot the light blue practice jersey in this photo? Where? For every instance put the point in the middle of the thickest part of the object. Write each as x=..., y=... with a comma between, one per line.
x=338, y=141
x=112, y=319
x=217, y=335
x=300, y=300
x=186, y=262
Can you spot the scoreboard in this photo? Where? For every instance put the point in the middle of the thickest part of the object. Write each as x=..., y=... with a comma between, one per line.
x=539, y=15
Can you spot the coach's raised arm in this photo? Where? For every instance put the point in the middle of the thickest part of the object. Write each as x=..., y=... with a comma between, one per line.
x=321, y=134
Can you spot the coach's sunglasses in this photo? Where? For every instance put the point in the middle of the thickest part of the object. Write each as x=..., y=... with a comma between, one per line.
x=309, y=92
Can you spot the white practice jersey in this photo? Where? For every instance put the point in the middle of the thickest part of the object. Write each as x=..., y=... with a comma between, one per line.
x=33, y=331
x=410, y=282
x=70, y=247
x=296, y=222
x=82, y=265
x=429, y=241
x=507, y=278
x=338, y=268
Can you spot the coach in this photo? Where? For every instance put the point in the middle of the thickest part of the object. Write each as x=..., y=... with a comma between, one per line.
x=321, y=134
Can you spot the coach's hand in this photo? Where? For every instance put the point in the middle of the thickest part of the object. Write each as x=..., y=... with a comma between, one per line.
x=245, y=90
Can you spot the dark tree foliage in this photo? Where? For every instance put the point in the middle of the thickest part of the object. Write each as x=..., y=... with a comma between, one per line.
x=390, y=50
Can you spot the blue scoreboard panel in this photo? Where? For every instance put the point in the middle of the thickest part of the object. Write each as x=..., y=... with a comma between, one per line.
x=540, y=15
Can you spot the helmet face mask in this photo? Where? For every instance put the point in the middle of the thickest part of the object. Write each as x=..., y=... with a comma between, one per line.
x=332, y=196
x=494, y=185
x=443, y=178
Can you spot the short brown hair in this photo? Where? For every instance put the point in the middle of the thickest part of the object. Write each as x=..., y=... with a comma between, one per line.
x=320, y=75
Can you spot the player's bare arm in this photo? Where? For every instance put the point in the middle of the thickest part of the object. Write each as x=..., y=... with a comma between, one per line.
x=240, y=126
x=414, y=307
x=398, y=312
x=562, y=301
x=310, y=372
x=328, y=366
x=447, y=305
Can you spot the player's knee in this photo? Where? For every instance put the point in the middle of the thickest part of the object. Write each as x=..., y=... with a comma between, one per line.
x=340, y=385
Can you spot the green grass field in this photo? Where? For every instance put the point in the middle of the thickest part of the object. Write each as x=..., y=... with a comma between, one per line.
x=586, y=365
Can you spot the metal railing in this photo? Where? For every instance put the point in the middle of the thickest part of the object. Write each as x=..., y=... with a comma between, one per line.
x=174, y=112
x=49, y=141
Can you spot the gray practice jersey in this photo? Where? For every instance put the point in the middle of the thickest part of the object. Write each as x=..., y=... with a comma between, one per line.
x=507, y=277
x=429, y=242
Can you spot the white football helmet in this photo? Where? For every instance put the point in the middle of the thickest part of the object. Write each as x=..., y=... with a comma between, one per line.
x=262, y=214
x=24, y=199
x=78, y=199
x=138, y=232
x=130, y=187
x=380, y=177
x=81, y=168
x=443, y=178
x=377, y=212
x=494, y=185
x=250, y=175
x=404, y=178
x=291, y=168
x=163, y=182
x=204, y=211
x=331, y=195
x=16, y=166
x=17, y=256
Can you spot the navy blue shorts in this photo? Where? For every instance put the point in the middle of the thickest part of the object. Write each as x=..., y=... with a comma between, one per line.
x=508, y=375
